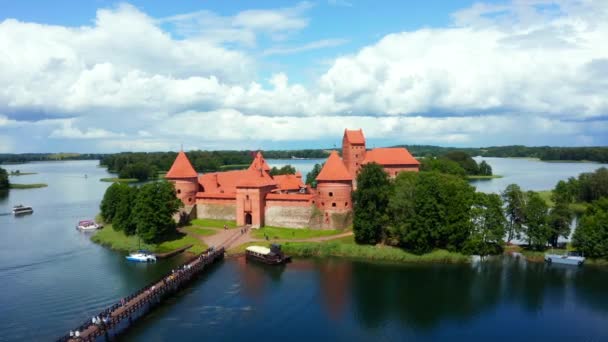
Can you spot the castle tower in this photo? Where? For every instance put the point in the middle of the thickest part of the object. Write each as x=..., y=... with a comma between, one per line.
x=251, y=191
x=334, y=187
x=353, y=151
x=185, y=179
x=259, y=163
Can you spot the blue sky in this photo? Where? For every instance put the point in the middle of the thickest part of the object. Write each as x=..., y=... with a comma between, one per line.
x=105, y=76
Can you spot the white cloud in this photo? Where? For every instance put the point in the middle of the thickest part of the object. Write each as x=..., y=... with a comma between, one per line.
x=319, y=44
x=497, y=71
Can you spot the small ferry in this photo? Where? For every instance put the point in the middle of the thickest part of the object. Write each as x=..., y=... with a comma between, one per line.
x=272, y=255
x=22, y=210
x=141, y=256
x=572, y=258
x=88, y=225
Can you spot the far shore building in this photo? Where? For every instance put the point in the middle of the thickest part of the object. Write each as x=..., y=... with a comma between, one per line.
x=253, y=197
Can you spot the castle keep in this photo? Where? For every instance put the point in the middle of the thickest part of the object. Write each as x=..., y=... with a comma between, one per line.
x=254, y=197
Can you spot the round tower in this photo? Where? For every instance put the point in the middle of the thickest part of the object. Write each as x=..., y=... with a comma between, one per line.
x=184, y=178
x=334, y=185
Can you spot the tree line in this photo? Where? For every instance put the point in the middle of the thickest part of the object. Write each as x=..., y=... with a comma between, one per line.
x=427, y=210
x=457, y=163
x=145, y=211
x=4, y=182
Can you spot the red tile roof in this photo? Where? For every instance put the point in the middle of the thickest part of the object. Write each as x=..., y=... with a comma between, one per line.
x=390, y=156
x=355, y=136
x=181, y=168
x=222, y=182
x=334, y=169
x=290, y=197
x=255, y=179
x=215, y=195
x=289, y=182
x=259, y=162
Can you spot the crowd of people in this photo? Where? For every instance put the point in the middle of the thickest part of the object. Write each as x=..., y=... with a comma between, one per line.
x=105, y=319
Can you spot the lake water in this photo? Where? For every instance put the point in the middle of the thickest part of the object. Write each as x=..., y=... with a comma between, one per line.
x=52, y=278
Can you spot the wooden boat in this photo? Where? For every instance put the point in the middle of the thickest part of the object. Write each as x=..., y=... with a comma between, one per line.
x=569, y=259
x=271, y=256
x=22, y=209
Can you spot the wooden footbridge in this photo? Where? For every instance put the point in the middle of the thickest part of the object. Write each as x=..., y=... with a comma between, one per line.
x=118, y=317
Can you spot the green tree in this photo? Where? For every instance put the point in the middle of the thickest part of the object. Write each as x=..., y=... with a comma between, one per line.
x=153, y=211
x=591, y=235
x=513, y=197
x=371, y=204
x=109, y=203
x=485, y=169
x=489, y=224
x=442, y=166
x=4, y=182
x=563, y=193
x=465, y=160
x=123, y=217
x=435, y=214
x=140, y=170
x=559, y=222
x=535, y=219
x=311, y=177
x=285, y=170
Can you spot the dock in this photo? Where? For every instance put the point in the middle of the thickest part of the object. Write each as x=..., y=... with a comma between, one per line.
x=118, y=317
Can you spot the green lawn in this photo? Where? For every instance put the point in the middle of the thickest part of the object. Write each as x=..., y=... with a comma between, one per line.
x=475, y=177
x=345, y=247
x=291, y=233
x=200, y=231
x=119, y=241
x=28, y=186
x=214, y=223
x=120, y=180
x=577, y=207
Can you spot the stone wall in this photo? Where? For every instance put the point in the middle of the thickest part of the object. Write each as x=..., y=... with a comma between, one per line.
x=216, y=211
x=288, y=216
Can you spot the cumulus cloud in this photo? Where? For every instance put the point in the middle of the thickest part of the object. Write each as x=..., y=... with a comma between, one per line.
x=496, y=72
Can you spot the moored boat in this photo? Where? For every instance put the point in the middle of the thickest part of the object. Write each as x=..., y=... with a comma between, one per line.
x=88, y=225
x=569, y=259
x=141, y=256
x=272, y=255
x=22, y=209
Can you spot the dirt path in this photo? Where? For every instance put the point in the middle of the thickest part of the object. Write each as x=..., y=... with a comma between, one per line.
x=233, y=237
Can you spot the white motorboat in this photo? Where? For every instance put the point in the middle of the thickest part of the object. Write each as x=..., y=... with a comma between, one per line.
x=569, y=259
x=88, y=225
x=22, y=209
x=141, y=256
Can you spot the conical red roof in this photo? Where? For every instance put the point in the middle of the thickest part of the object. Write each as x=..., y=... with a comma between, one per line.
x=181, y=168
x=259, y=163
x=334, y=169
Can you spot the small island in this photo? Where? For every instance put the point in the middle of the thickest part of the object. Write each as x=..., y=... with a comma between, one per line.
x=5, y=184
x=119, y=180
x=19, y=173
x=28, y=186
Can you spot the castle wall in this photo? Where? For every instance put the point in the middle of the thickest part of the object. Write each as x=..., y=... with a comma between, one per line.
x=289, y=214
x=393, y=170
x=334, y=196
x=219, y=209
x=185, y=189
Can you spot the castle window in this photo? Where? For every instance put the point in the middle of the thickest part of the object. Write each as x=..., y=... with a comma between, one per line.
x=331, y=194
x=313, y=202
x=356, y=156
x=323, y=204
x=179, y=191
x=247, y=197
x=346, y=204
x=333, y=204
x=189, y=199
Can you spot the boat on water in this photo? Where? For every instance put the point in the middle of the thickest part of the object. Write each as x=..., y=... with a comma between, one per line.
x=88, y=225
x=141, y=256
x=22, y=209
x=271, y=256
x=572, y=258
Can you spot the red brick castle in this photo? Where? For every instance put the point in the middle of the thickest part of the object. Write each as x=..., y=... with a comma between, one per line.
x=254, y=197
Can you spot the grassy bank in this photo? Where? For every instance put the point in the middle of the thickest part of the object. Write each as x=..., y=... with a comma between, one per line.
x=200, y=231
x=119, y=180
x=280, y=233
x=346, y=247
x=214, y=223
x=539, y=256
x=476, y=177
x=577, y=207
x=28, y=186
x=117, y=240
